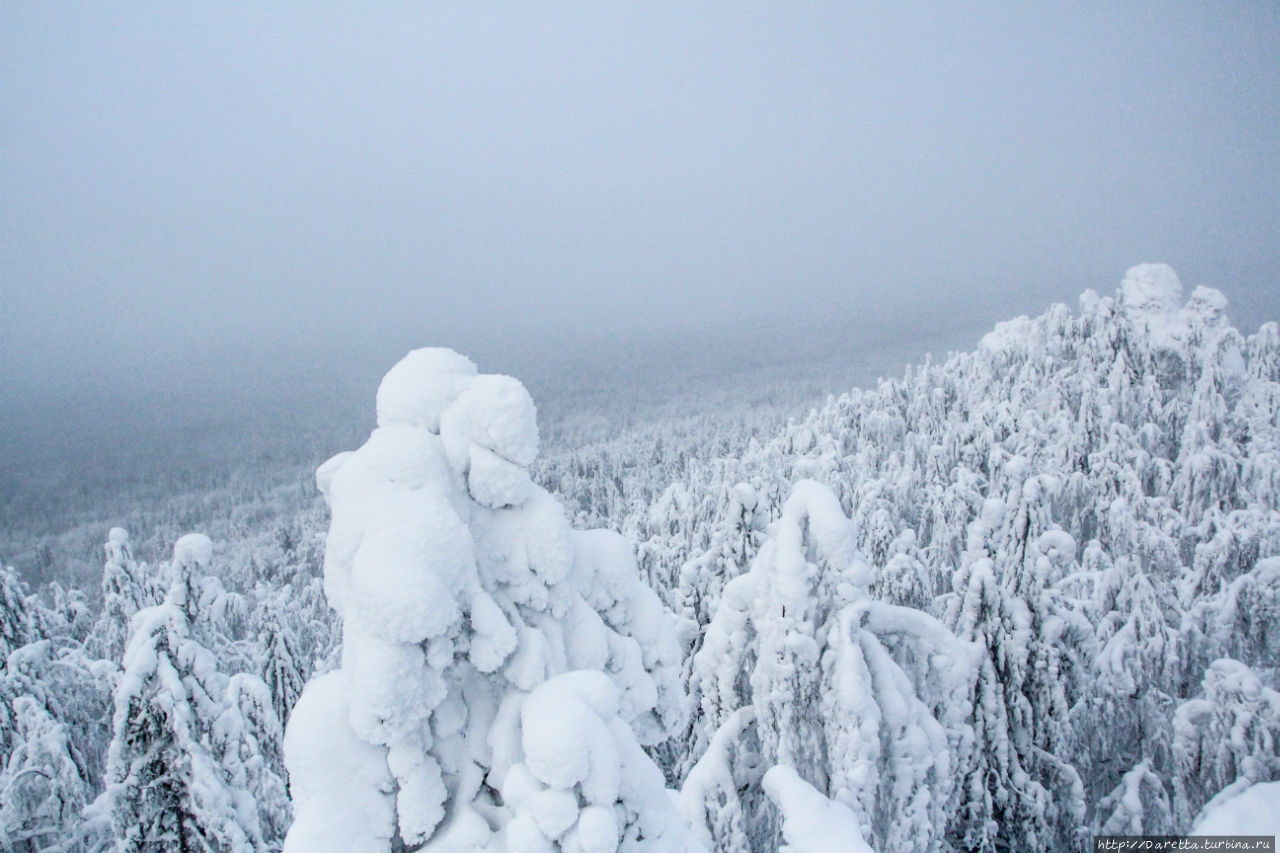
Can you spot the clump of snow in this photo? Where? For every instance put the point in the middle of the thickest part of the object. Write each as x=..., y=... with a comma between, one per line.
x=420, y=386
x=194, y=550
x=336, y=779
x=583, y=774
x=811, y=823
x=1207, y=303
x=502, y=418
x=495, y=482
x=1253, y=811
x=326, y=472
x=745, y=496
x=1151, y=288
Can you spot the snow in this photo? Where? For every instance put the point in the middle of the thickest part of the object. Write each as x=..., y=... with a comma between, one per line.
x=1151, y=289
x=502, y=417
x=710, y=792
x=597, y=830
x=833, y=533
x=466, y=600
x=495, y=639
x=1207, y=304
x=1018, y=597
x=745, y=496
x=326, y=472
x=418, y=388
x=193, y=549
x=495, y=482
x=1006, y=335
x=336, y=778
x=565, y=736
x=1253, y=811
x=797, y=643
x=811, y=823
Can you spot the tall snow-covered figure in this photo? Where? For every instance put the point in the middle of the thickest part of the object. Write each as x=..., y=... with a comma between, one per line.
x=472, y=709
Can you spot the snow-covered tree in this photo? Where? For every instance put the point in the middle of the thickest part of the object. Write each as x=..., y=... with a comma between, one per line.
x=43, y=785
x=184, y=765
x=500, y=671
x=125, y=591
x=15, y=616
x=1231, y=733
x=1001, y=804
x=281, y=666
x=1138, y=805
x=798, y=640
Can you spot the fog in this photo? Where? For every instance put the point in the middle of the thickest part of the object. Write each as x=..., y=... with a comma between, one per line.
x=252, y=192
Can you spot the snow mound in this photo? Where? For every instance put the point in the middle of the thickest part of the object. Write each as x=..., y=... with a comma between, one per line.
x=1253, y=811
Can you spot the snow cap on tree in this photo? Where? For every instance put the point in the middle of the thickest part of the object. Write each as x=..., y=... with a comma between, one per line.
x=417, y=390
x=193, y=551
x=1151, y=289
x=118, y=551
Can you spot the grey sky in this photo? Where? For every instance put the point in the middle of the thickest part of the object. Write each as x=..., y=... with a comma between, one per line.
x=181, y=177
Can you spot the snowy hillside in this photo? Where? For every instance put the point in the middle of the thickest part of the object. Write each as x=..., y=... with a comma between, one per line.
x=1020, y=596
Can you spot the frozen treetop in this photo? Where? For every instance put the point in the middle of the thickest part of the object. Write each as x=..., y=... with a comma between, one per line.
x=1152, y=288
x=192, y=550
x=117, y=546
x=417, y=390
x=487, y=423
x=1150, y=295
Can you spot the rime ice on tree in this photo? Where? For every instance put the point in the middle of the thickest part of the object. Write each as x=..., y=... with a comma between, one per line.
x=472, y=709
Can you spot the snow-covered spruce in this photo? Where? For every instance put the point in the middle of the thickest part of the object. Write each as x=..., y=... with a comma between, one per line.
x=500, y=671
x=797, y=670
x=189, y=765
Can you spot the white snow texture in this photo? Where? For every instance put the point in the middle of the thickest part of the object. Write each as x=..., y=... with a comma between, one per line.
x=472, y=710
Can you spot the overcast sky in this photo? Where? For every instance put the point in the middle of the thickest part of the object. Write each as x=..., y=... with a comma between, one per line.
x=192, y=176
